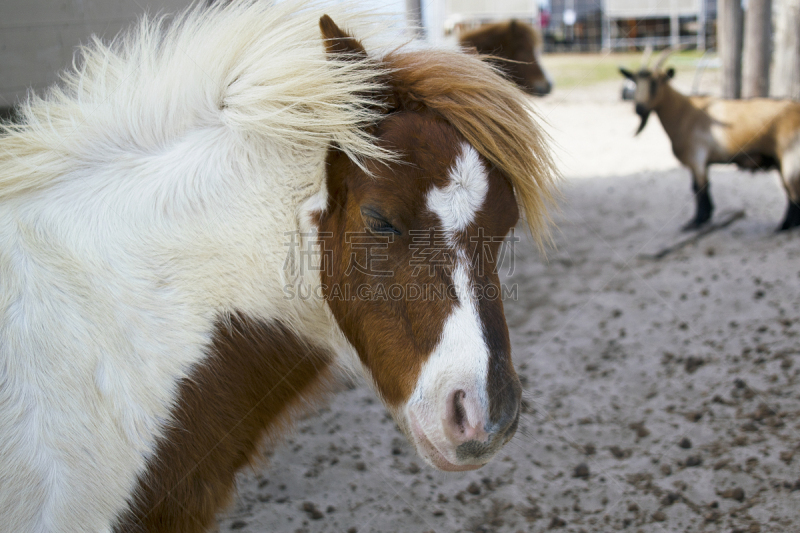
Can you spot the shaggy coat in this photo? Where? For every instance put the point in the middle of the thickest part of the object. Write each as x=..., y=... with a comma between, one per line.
x=153, y=207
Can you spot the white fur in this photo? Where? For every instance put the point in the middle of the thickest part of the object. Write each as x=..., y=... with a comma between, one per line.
x=138, y=203
x=790, y=168
x=459, y=361
x=461, y=358
x=458, y=202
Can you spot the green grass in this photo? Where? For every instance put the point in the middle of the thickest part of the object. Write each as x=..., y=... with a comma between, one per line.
x=575, y=70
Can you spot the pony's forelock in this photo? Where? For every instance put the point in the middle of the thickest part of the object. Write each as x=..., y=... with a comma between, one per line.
x=495, y=117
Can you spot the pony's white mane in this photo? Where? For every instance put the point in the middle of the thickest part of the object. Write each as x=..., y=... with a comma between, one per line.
x=258, y=69
x=141, y=200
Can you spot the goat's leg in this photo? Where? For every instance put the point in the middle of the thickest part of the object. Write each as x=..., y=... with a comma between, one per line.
x=700, y=187
x=792, y=184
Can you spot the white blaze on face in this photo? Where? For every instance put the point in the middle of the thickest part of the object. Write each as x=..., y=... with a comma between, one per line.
x=460, y=360
x=457, y=203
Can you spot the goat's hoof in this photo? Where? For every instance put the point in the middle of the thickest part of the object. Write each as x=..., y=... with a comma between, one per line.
x=694, y=224
x=786, y=226
x=792, y=218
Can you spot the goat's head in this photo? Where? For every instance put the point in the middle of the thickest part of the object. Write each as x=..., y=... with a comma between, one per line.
x=649, y=86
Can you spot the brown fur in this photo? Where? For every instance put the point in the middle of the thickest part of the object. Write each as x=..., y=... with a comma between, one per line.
x=488, y=111
x=755, y=134
x=256, y=375
x=394, y=338
x=761, y=126
x=492, y=116
x=512, y=47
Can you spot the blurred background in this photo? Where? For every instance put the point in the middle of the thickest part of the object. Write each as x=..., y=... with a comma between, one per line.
x=583, y=40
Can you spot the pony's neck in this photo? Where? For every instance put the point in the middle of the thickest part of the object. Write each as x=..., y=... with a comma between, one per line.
x=258, y=375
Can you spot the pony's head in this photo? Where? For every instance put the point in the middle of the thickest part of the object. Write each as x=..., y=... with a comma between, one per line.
x=411, y=247
x=514, y=47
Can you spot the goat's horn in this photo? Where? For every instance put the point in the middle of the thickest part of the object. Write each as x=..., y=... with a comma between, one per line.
x=662, y=58
x=648, y=51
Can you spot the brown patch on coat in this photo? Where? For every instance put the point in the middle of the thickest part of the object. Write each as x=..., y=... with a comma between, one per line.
x=512, y=47
x=761, y=125
x=246, y=389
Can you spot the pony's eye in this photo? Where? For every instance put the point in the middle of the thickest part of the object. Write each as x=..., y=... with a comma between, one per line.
x=376, y=222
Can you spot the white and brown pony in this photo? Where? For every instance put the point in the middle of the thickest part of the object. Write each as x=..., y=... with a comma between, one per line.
x=151, y=329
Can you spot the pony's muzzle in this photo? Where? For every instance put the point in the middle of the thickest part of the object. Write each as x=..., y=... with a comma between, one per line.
x=540, y=88
x=468, y=427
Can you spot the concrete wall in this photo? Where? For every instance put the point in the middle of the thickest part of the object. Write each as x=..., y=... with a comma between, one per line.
x=38, y=37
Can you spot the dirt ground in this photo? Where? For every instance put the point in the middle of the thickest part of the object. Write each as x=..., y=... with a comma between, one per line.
x=660, y=395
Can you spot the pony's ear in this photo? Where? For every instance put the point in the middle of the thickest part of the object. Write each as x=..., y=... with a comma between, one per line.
x=339, y=42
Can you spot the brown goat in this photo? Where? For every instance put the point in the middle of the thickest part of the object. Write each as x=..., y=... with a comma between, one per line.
x=755, y=134
x=514, y=48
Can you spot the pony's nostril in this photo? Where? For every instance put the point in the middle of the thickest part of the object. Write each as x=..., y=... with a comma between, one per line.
x=459, y=414
x=461, y=422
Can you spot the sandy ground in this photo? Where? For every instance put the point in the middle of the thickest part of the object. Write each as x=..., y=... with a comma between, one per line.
x=660, y=395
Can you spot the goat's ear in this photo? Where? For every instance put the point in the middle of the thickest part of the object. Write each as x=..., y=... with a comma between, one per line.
x=339, y=42
x=627, y=73
x=670, y=72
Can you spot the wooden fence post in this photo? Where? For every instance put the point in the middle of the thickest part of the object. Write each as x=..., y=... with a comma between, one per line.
x=786, y=73
x=729, y=45
x=757, y=48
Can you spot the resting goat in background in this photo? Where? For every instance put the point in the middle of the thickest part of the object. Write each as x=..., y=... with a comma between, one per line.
x=754, y=134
